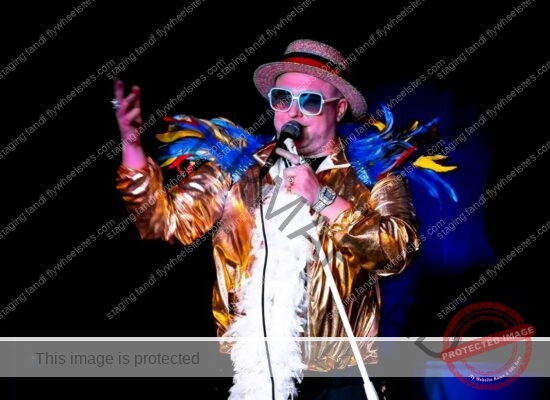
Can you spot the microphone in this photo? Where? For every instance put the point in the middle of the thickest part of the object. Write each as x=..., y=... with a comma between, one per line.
x=292, y=130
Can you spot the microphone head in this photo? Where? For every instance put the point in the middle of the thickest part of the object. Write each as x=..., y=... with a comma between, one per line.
x=292, y=129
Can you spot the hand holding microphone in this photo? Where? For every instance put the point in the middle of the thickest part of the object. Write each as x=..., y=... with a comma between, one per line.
x=291, y=130
x=299, y=177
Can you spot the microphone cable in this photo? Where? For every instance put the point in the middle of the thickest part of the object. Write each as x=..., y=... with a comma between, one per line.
x=263, y=284
x=263, y=290
x=293, y=130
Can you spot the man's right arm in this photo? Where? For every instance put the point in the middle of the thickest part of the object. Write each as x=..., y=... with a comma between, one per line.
x=184, y=211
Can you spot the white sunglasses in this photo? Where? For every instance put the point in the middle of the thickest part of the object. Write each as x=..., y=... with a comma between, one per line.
x=309, y=103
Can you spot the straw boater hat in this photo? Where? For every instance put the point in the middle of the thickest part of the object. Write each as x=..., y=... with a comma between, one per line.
x=317, y=59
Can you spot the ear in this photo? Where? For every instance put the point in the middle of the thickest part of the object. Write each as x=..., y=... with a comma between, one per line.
x=341, y=109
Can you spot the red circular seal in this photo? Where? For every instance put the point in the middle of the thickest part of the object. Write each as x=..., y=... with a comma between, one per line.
x=510, y=347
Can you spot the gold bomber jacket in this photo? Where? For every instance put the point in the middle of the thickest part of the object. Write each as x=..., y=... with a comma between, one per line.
x=376, y=237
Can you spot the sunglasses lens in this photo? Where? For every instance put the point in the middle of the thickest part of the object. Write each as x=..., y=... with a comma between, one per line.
x=310, y=102
x=280, y=99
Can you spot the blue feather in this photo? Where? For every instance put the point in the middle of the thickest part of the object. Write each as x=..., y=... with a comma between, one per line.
x=431, y=181
x=373, y=149
x=228, y=145
x=195, y=148
x=380, y=150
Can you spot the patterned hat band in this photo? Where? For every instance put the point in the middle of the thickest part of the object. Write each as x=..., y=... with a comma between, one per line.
x=314, y=60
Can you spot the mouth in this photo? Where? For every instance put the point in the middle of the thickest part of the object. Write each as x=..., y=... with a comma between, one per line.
x=302, y=135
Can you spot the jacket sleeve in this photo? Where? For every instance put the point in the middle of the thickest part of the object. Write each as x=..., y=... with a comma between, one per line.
x=183, y=210
x=384, y=237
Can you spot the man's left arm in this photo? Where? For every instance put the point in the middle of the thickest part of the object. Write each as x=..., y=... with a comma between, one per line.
x=383, y=237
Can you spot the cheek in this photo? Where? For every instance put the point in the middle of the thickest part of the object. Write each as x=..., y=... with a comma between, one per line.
x=331, y=113
x=279, y=120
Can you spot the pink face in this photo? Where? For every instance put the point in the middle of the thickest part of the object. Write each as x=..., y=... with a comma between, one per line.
x=319, y=133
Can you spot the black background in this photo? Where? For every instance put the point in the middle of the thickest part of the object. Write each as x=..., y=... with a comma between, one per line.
x=76, y=302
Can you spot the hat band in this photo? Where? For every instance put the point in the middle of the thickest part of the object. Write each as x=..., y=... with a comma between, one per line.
x=318, y=62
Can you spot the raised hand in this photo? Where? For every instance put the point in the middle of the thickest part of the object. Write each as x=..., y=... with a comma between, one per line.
x=129, y=120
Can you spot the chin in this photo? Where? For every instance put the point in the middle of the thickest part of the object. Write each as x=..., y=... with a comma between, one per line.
x=300, y=146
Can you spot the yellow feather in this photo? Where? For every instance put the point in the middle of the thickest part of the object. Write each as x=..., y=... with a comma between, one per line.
x=379, y=125
x=168, y=137
x=168, y=162
x=429, y=162
x=437, y=157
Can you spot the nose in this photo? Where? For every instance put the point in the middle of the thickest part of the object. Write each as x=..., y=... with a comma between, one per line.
x=294, y=109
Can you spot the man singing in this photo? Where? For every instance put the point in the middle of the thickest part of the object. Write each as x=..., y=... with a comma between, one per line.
x=310, y=213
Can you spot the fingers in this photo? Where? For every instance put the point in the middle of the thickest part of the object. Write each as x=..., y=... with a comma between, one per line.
x=293, y=173
x=119, y=90
x=289, y=178
x=133, y=117
x=128, y=112
x=130, y=119
x=293, y=158
x=134, y=98
x=136, y=91
x=301, y=181
x=129, y=102
x=288, y=172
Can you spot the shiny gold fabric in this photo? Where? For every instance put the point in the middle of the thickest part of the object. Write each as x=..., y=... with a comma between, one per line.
x=377, y=236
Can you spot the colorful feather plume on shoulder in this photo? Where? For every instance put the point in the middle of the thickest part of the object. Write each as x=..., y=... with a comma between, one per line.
x=376, y=148
x=189, y=140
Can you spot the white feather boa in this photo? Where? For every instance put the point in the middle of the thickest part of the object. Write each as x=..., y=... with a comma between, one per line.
x=285, y=305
